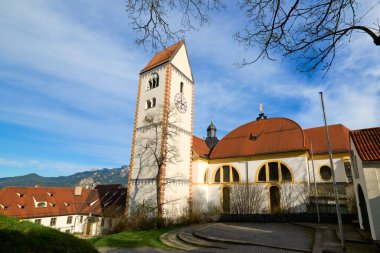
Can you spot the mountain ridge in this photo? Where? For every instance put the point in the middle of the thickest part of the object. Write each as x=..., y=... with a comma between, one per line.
x=87, y=179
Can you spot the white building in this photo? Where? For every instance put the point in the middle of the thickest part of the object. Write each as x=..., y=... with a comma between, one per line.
x=88, y=212
x=365, y=156
x=272, y=155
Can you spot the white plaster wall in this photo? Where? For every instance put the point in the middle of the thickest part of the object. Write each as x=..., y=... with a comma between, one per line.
x=340, y=174
x=181, y=61
x=199, y=169
x=184, y=119
x=157, y=92
x=373, y=204
x=75, y=226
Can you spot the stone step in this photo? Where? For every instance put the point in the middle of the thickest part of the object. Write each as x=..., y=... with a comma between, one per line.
x=170, y=238
x=189, y=237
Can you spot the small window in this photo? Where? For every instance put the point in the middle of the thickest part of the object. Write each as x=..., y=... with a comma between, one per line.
x=69, y=219
x=154, y=102
x=110, y=223
x=148, y=104
x=37, y=221
x=102, y=222
x=81, y=218
x=67, y=231
x=181, y=87
x=325, y=172
x=273, y=171
x=285, y=172
x=53, y=221
x=262, y=174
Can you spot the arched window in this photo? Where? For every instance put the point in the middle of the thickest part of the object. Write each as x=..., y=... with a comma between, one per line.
x=154, y=102
x=325, y=172
x=181, y=88
x=153, y=81
x=262, y=174
x=226, y=174
x=276, y=171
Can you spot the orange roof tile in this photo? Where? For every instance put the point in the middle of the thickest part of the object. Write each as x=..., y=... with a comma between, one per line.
x=265, y=136
x=367, y=143
x=200, y=147
x=339, y=139
x=163, y=56
x=62, y=202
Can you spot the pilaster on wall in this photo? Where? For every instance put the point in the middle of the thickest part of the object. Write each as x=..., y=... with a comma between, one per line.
x=166, y=108
x=191, y=154
x=133, y=148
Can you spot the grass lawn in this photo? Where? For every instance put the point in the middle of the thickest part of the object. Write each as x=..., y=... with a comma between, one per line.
x=24, y=236
x=132, y=239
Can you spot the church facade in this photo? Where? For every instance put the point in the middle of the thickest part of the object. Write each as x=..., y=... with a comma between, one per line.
x=270, y=162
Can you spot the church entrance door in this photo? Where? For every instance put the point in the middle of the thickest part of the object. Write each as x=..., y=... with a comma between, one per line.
x=274, y=193
x=226, y=200
x=363, y=208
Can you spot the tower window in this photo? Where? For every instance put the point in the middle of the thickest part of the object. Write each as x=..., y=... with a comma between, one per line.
x=181, y=87
x=150, y=103
x=153, y=81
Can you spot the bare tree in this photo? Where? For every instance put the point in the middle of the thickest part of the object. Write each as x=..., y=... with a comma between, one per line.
x=294, y=198
x=309, y=32
x=151, y=19
x=247, y=199
x=158, y=149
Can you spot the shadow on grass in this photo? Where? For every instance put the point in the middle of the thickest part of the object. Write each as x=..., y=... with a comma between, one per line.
x=47, y=240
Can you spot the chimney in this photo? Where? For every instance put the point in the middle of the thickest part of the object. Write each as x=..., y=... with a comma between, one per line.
x=78, y=190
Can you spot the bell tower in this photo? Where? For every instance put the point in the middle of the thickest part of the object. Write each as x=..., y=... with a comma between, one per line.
x=160, y=166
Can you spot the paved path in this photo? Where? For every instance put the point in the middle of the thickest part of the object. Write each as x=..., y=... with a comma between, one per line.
x=257, y=237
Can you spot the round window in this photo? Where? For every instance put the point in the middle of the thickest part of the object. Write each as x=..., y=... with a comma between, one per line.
x=325, y=172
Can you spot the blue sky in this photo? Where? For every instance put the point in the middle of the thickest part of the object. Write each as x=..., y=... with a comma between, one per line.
x=69, y=73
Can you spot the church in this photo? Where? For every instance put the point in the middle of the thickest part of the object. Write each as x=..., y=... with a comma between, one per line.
x=268, y=165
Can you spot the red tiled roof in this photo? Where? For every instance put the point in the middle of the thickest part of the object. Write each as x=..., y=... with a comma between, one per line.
x=339, y=139
x=163, y=56
x=266, y=136
x=200, y=147
x=63, y=201
x=367, y=143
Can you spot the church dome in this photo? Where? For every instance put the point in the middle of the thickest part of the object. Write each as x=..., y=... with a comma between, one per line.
x=265, y=136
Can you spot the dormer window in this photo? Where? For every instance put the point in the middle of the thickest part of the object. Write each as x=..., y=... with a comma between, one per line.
x=181, y=88
x=21, y=206
x=153, y=81
x=21, y=195
x=41, y=204
x=5, y=207
x=52, y=204
x=67, y=203
x=50, y=194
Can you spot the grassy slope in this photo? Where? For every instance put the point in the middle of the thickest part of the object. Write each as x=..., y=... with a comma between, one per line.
x=16, y=236
x=132, y=239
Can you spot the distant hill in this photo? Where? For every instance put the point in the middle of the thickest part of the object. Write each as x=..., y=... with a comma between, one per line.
x=85, y=179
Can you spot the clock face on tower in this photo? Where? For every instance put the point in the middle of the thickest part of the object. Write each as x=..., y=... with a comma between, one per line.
x=180, y=102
